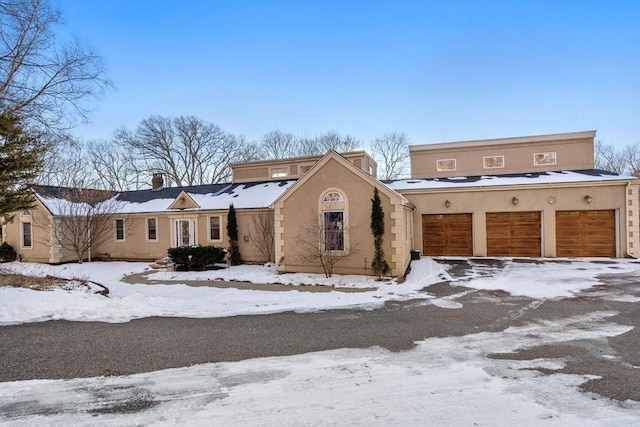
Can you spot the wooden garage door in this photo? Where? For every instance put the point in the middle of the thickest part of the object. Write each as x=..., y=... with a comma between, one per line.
x=586, y=233
x=448, y=234
x=514, y=234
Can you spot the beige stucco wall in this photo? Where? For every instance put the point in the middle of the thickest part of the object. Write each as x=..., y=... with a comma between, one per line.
x=299, y=211
x=43, y=248
x=136, y=246
x=571, y=154
x=546, y=199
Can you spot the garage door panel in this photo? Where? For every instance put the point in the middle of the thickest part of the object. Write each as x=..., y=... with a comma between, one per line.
x=514, y=234
x=586, y=233
x=447, y=234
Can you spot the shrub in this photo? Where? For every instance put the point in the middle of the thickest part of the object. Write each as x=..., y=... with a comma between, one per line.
x=201, y=256
x=7, y=253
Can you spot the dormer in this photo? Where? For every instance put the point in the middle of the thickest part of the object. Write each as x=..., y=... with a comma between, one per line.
x=184, y=201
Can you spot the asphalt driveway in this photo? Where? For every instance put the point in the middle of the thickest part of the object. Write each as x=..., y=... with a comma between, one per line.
x=61, y=349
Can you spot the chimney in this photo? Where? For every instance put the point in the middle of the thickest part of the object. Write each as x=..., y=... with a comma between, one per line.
x=157, y=183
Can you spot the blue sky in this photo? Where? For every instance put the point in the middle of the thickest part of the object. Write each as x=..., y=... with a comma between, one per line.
x=437, y=70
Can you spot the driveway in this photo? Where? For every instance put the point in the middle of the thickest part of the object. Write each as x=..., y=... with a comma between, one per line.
x=61, y=349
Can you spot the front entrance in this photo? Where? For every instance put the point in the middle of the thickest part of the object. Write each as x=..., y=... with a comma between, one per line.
x=514, y=234
x=185, y=232
x=447, y=235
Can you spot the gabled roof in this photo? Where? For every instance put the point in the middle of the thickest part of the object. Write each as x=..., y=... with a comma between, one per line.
x=537, y=178
x=332, y=155
x=206, y=197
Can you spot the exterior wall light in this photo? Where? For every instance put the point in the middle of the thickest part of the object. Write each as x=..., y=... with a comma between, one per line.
x=515, y=200
x=588, y=199
x=447, y=204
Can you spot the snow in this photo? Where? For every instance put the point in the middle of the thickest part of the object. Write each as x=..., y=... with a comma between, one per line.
x=243, y=196
x=169, y=295
x=443, y=381
x=449, y=381
x=497, y=181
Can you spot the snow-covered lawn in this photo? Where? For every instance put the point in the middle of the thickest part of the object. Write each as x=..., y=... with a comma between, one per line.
x=443, y=381
x=173, y=298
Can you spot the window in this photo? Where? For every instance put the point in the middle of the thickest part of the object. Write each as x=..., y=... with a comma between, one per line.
x=279, y=173
x=332, y=196
x=26, y=235
x=304, y=169
x=333, y=227
x=214, y=228
x=543, y=159
x=446, y=165
x=119, y=229
x=152, y=229
x=493, y=162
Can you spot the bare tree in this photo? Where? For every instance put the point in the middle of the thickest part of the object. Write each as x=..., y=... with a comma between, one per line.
x=631, y=154
x=185, y=149
x=45, y=78
x=263, y=236
x=622, y=161
x=334, y=141
x=391, y=151
x=607, y=157
x=114, y=168
x=322, y=242
x=84, y=219
x=278, y=145
x=66, y=165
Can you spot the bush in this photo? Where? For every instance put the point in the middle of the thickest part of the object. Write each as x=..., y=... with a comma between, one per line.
x=201, y=256
x=7, y=253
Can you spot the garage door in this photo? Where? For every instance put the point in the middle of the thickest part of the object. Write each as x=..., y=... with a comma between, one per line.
x=586, y=233
x=447, y=235
x=514, y=234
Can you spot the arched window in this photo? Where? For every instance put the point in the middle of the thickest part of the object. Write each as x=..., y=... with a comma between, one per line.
x=332, y=197
x=334, y=221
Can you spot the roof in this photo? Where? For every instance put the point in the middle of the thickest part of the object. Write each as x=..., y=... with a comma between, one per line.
x=207, y=197
x=533, y=178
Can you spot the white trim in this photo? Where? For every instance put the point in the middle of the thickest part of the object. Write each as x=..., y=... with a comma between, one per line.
x=115, y=230
x=209, y=239
x=22, y=245
x=146, y=226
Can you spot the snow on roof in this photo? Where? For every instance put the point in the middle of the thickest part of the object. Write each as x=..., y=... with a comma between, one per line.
x=561, y=177
x=209, y=197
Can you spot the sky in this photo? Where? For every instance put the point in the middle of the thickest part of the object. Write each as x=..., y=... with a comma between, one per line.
x=438, y=71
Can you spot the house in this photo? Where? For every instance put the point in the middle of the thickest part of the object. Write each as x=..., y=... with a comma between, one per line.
x=536, y=196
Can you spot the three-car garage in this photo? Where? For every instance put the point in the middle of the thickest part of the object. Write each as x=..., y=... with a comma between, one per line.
x=578, y=233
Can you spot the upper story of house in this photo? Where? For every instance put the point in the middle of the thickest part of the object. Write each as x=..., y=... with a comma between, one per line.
x=562, y=151
x=294, y=168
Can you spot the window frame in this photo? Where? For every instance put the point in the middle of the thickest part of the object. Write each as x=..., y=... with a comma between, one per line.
x=123, y=238
x=23, y=235
x=211, y=239
x=547, y=158
x=338, y=231
x=443, y=165
x=279, y=172
x=148, y=229
x=493, y=158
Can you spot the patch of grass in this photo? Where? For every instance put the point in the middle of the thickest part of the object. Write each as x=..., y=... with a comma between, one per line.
x=49, y=283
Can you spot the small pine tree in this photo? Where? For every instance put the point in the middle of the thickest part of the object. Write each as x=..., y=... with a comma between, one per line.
x=232, y=233
x=378, y=264
x=20, y=163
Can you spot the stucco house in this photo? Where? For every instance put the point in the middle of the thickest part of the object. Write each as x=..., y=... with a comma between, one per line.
x=536, y=196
